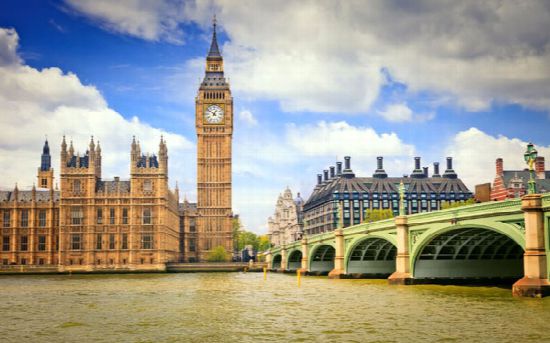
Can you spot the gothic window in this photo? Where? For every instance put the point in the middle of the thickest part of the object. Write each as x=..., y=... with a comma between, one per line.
x=111, y=241
x=192, y=245
x=42, y=218
x=124, y=216
x=100, y=216
x=98, y=241
x=5, y=243
x=24, y=243
x=124, y=241
x=6, y=219
x=24, y=218
x=192, y=225
x=146, y=241
x=147, y=220
x=76, y=241
x=111, y=216
x=44, y=183
x=77, y=216
x=41, y=243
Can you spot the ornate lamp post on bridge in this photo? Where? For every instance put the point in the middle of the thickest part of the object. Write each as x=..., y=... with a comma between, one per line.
x=530, y=156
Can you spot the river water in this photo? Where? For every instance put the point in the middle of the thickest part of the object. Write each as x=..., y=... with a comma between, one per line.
x=243, y=307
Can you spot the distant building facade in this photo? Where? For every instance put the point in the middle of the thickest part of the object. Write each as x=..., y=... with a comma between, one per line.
x=340, y=196
x=286, y=224
x=509, y=184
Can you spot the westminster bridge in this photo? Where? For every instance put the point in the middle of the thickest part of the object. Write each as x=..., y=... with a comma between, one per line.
x=488, y=241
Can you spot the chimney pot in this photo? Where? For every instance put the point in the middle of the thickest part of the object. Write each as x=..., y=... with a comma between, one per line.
x=417, y=163
x=347, y=164
x=449, y=163
x=325, y=173
x=319, y=179
x=436, y=168
x=499, y=166
x=338, y=168
x=332, y=172
x=380, y=162
x=425, y=171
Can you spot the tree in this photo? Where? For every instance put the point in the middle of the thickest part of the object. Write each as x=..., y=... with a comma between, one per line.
x=378, y=214
x=218, y=254
x=445, y=204
x=264, y=243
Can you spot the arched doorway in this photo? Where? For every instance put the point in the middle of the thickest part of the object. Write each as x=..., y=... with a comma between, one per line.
x=276, y=264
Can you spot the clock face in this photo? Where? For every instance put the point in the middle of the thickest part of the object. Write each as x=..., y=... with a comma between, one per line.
x=213, y=114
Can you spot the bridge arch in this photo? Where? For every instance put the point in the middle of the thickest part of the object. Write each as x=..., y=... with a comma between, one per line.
x=294, y=260
x=371, y=256
x=468, y=252
x=321, y=259
x=276, y=263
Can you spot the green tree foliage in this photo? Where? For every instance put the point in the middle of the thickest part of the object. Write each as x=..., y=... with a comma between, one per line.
x=445, y=204
x=218, y=254
x=264, y=243
x=378, y=214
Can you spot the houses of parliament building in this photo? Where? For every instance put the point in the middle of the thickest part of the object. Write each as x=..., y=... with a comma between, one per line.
x=91, y=224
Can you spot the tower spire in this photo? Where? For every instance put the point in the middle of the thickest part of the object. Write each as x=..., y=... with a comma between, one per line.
x=214, y=52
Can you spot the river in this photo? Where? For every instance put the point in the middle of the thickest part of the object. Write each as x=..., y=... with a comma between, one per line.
x=243, y=307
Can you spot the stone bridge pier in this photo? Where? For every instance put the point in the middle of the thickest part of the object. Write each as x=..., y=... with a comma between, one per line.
x=535, y=282
x=402, y=274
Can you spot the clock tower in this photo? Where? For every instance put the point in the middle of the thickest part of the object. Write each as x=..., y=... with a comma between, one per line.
x=214, y=124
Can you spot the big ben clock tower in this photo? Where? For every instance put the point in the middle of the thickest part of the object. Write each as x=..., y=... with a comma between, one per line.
x=214, y=123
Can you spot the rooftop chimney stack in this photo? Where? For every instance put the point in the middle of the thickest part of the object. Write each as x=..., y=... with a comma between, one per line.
x=500, y=166
x=449, y=172
x=380, y=172
x=319, y=179
x=425, y=169
x=436, y=170
x=325, y=173
x=332, y=172
x=417, y=172
x=347, y=168
x=539, y=167
x=338, y=168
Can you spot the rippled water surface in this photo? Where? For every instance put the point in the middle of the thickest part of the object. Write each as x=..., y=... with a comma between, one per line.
x=242, y=307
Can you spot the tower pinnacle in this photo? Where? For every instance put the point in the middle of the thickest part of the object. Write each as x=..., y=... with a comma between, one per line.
x=214, y=52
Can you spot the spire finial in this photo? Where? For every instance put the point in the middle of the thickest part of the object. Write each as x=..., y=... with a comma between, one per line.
x=214, y=50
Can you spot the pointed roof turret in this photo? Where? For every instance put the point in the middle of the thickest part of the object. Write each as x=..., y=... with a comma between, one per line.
x=214, y=52
x=46, y=159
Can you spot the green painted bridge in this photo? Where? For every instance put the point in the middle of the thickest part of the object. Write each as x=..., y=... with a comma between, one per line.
x=487, y=241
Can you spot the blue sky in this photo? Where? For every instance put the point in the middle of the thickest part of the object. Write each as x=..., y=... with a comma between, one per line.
x=312, y=82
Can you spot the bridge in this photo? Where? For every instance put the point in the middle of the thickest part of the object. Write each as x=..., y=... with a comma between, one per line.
x=492, y=241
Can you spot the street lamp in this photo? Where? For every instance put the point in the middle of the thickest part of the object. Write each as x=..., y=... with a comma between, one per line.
x=530, y=156
x=401, y=199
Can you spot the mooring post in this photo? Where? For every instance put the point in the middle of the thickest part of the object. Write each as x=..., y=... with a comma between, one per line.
x=402, y=274
x=338, y=270
x=535, y=281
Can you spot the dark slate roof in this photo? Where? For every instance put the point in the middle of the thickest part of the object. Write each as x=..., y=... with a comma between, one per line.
x=543, y=185
x=41, y=195
x=111, y=186
x=341, y=184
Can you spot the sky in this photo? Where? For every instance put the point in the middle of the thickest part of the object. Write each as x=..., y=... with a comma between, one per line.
x=312, y=81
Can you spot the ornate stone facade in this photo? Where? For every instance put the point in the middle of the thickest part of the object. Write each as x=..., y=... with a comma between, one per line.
x=286, y=224
x=90, y=224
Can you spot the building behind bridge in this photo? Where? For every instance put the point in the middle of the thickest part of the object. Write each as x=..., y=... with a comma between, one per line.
x=510, y=184
x=340, y=195
x=286, y=224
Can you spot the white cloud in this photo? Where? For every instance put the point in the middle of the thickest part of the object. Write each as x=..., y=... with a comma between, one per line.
x=150, y=20
x=35, y=103
x=475, y=153
x=397, y=113
x=326, y=56
x=248, y=118
x=8, y=54
x=341, y=138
